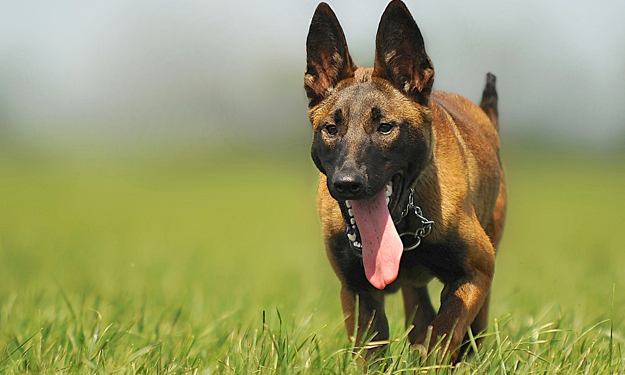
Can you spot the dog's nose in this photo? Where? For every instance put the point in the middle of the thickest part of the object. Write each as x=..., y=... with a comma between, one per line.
x=348, y=184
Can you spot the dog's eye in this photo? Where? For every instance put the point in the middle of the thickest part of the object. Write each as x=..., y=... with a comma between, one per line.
x=385, y=128
x=331, y=129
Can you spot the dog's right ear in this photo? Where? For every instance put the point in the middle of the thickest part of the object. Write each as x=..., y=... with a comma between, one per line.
x=327, y=58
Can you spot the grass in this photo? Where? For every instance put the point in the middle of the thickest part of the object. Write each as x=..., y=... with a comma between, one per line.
x=172, y=264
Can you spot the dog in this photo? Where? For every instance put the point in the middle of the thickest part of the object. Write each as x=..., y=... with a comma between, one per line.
x=411, y=183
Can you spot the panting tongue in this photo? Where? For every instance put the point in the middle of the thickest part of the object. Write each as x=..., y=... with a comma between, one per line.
x=381, y=246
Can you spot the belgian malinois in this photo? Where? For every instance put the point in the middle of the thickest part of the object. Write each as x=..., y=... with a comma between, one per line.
x=411, y=185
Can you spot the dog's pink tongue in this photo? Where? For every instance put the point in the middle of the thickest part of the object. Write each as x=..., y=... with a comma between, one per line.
x=381, y=246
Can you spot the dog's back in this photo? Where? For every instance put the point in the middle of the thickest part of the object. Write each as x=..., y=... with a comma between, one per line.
x=464, y=131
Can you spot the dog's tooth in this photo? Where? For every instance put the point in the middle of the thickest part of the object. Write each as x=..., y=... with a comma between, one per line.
x=388, y=200
x=348, y=204
x=350, y=212
x=389, y=189
x=352, y=237
x=356, y=244
x=352, y=220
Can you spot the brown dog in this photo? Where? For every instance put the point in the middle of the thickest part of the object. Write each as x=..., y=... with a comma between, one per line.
x=411, y=183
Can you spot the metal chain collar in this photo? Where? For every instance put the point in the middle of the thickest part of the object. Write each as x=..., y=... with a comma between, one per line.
x=426, y=223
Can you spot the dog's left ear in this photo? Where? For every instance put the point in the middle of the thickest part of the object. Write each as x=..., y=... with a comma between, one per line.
x=400, y=55
x=327, y=58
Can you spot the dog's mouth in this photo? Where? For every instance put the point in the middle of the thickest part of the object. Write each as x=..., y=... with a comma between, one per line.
x=372, y=234
x=392, y=191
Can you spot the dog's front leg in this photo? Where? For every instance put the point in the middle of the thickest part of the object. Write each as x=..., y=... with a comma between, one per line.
x=371, y=317
x=462, y=299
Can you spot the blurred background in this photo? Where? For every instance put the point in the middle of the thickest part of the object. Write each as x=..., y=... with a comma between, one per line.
x=161, y=147
x=106, y=75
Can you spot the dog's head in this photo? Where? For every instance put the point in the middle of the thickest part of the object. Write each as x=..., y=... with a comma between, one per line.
x=371, y=127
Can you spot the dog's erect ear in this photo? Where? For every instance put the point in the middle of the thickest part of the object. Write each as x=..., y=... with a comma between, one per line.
x=327, y=60
x=400, y=55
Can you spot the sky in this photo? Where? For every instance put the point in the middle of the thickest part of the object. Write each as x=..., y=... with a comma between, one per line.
x=232, y=70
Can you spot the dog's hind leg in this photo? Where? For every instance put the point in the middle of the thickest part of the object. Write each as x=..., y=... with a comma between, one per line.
x=494, y=228
x=489, y=100
x=419, y=310
x=372, y=322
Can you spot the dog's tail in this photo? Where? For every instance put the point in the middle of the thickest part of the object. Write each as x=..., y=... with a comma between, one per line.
x=489, y=100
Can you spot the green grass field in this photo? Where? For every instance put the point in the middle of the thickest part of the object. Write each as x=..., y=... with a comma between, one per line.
x=172, y=264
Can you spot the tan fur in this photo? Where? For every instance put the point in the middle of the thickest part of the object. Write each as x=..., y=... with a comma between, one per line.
x=464, y=169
